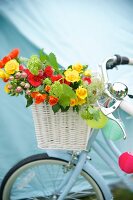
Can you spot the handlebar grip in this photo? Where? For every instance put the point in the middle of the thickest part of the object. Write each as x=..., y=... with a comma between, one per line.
x=121, y=60
x=118, y=60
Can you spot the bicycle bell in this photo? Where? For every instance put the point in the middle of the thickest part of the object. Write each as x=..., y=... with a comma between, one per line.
x=118, y=90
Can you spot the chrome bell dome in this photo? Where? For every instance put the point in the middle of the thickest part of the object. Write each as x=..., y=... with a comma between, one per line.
x=118, y=90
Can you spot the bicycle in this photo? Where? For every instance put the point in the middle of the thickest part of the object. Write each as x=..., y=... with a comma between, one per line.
x=67, y=174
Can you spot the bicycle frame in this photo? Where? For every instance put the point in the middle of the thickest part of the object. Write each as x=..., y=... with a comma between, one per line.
x=80, y=164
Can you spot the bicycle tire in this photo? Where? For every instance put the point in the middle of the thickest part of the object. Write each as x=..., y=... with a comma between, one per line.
x=13, y=180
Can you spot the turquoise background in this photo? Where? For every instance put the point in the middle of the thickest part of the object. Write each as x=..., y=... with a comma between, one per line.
x=86, y=31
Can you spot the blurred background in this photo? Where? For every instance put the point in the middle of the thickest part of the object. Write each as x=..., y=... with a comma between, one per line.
x=76, y=31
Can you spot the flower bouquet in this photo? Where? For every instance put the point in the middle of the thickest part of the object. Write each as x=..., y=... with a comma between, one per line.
x=62, y=99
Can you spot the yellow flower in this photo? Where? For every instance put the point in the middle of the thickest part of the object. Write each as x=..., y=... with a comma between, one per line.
x=81, y=92
x=78, y=67
x=72, y=75
x=2, y=74
x=88, y=72
x=81, y=101
x=11, y=66
x=6, y=88
x=73, y=102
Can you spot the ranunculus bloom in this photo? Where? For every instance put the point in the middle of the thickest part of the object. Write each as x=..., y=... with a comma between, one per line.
x=4, y=76
x=35, y=81
x=47, y=88
x=88, y=72
x=81, y=101
x=6, y=88
x=1, y=64
x=53, y=100
x=81, y=92
x=14, y=53
x=56, y=78
x=39, y=98
x=11, y=67
x=48, y=71
x=73, y=102
x=6, y=59
x=87, y=79
x=72, y=75
x=78, y=67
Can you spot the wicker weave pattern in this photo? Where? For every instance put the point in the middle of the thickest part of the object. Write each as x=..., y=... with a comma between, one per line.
x=63, y=130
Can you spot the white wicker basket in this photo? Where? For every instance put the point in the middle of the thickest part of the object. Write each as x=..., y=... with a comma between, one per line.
x=63, y=130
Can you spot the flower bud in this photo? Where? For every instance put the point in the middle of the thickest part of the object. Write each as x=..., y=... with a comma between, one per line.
x=22, y=84
x=28, y=92
x=23, y=75
x=19, y=89
x=9, y=86
x=27, y=85
x=17, y=75
x=11, y=78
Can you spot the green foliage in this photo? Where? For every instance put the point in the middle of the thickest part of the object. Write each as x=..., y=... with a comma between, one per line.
x=90, y=113
x=29, y=100
x=56, y=89
x=34, y=64
x=56, y=108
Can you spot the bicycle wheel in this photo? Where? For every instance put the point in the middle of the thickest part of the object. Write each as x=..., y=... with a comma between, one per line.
x=39, y=176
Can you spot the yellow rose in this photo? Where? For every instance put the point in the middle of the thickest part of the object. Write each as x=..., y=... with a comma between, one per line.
x=78, y=67
x=81, y=92
x=71, y=75
x=88, y=72
x=2, y=74
x=81, y=101
x=11, y=66
x=6, y=88
x=73, y=102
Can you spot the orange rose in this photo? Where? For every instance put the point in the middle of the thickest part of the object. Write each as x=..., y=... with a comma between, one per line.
x=47, y=88
x=53, y=100
x=33, y=94
x=39, y=98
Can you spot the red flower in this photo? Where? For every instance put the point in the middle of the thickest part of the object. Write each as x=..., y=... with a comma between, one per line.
x=48, y=71
x=39, y=98
x=87, y=79
x=21, y=68
x=47, y=88
x=1, y=64
x=66, y=82
x=14, y=53
x=35, y=81
x=6, y=59
x=53, y=100
x=56, y=78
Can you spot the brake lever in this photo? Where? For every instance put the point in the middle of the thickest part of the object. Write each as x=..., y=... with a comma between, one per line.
x=108, y=112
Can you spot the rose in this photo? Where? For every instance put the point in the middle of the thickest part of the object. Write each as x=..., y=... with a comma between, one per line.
x=81, y=92
x=78, y=67
x=71, y=75
x=48, y=71
x=53, y=100
x=39, y=98
x=11, y=66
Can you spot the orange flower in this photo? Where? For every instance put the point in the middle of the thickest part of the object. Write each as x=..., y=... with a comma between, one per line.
x=14, y=53
x=33, y=94
x=47, y=88
x=53, y=100
x=73, y=102
x=1, y=64
x=6, y=59
x=39, y=98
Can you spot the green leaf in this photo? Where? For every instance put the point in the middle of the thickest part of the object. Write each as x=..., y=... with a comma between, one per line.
x=56, y=89
x=69, y=91
x=64, y=100
x=53, y=62
x=43, y=56
x=56, y=108
x=29, y=101
x=64, y=109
